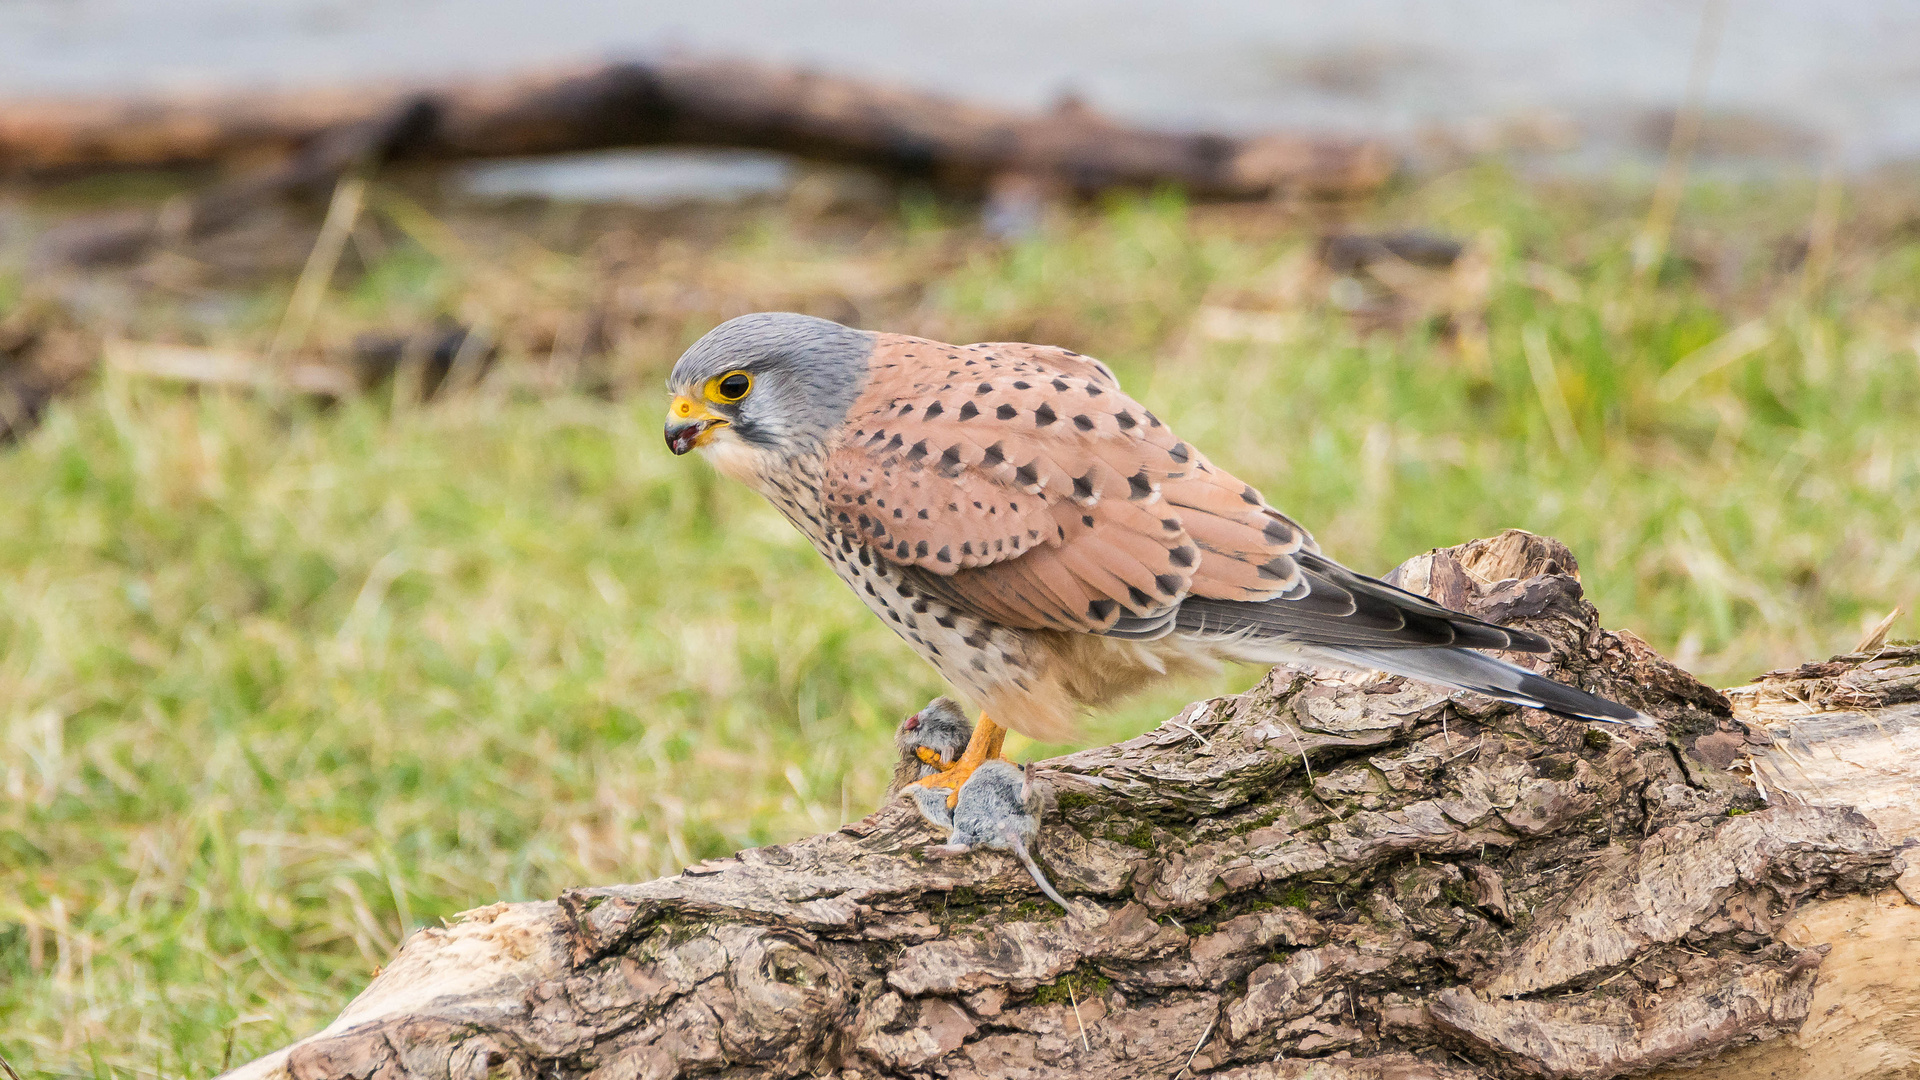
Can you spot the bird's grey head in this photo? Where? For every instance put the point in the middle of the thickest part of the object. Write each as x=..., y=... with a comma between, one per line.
x=773, y=383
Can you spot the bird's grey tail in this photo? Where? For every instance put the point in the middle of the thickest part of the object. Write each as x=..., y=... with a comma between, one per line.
x=1465, y=669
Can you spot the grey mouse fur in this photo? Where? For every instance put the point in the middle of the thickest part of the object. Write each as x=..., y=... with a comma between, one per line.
x=999, y=807
x=941, y=727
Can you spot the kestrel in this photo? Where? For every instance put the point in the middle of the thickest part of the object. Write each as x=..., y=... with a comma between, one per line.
x=1039, y=537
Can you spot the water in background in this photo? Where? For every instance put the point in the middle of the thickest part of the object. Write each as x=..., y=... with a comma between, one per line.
x=1802, y=81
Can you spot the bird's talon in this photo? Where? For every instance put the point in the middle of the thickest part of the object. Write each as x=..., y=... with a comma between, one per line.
x=983, y=746
x=950, y=779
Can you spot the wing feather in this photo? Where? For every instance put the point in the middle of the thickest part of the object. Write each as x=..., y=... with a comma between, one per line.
x=1021, y=474
x=1043, y=495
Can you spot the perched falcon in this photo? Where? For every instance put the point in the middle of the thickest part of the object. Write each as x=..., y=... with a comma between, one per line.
x=1040, y=538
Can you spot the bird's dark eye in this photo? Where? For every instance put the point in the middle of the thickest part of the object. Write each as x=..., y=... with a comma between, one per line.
x=730, y=387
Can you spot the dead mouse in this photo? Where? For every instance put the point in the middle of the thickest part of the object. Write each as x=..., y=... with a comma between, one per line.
x=999, y=808
x=929, y=740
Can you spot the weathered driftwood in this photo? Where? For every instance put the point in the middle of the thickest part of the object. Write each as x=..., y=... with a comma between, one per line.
x=308, y=171
x=1334, y=877
x=677, y=101
x=687, y=101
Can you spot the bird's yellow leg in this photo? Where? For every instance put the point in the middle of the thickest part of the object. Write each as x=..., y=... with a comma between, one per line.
x=982, y=748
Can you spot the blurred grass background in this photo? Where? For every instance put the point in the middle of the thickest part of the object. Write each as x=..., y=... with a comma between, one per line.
x=281, y=682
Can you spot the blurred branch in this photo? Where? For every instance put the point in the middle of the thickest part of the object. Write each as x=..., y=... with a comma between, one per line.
x=678, y=101
x=225, y=367
x=312, y=172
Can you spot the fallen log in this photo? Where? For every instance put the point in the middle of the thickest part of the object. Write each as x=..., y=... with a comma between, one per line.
x=1329, y=876
x=690, y=102
x=677, y=101
x=309, y=172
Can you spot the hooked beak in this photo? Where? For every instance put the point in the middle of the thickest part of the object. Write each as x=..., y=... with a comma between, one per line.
x=690, y=424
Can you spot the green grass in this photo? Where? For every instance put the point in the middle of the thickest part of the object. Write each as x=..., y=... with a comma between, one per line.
x=280, y=684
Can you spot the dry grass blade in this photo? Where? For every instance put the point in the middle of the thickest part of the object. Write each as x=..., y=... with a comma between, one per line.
x=1821, y=231
x=342, y=213
x=1730, y=348
x=1877, y=636
x=1302, y=747
x=1074, y=1000
x=464, y=372
x=1546, y=383
x=1650, y=246
x=1187, y=1068
x=185, y=363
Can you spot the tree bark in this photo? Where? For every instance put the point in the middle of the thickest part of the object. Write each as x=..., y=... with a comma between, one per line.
x=1330, y=876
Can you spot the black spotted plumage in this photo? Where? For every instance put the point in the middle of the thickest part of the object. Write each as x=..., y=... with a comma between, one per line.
x=1036, y=511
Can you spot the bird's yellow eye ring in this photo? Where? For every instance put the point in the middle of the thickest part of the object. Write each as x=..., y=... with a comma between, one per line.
x=730, y=387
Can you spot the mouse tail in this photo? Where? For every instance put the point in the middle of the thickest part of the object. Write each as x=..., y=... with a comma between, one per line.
x=1020, y=852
